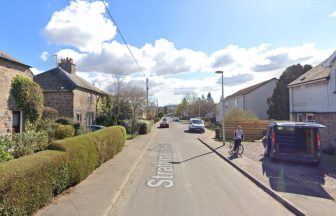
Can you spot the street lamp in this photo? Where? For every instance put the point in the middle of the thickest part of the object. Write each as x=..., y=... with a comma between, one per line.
x=223, y=105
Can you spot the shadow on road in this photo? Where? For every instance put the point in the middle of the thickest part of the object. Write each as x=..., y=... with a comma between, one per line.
x=197, y=156
x=293, y=178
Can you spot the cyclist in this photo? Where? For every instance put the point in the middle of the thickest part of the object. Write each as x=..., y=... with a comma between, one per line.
x=238, y=137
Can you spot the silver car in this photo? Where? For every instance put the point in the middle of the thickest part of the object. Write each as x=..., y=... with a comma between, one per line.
x=196, y=125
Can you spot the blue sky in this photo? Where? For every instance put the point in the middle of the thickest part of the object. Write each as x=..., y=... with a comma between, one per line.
x=201, y=26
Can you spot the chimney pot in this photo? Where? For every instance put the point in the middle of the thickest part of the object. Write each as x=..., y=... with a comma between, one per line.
x=68, y=65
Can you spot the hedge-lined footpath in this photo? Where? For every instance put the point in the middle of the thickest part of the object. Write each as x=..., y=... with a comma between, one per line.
x=28, y=183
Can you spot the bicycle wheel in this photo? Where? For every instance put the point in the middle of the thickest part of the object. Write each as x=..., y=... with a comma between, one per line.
x=240, y=149
x=231, y=145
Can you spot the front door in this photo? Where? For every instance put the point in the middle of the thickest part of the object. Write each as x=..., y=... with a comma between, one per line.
x=89, y=118
x=16, y=122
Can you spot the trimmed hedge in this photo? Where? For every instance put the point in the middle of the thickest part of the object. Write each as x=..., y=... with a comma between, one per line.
x=64, y=131
x=89, y=151
x=145, y=126
x=28, y=183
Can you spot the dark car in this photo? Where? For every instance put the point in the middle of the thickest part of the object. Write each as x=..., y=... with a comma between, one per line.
x=93, y=128
x=294, y=141
x=164, y=123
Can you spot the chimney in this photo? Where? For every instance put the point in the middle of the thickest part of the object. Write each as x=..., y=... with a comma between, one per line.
x=68, y=65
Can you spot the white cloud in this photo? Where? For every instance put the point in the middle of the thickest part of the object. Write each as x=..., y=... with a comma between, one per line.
x=98, y=56
x=333, y=14
x=44, y=56
x=81, y=24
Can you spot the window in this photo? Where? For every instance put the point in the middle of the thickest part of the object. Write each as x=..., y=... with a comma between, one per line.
x=79, y=117
x=89, y=118
x=310, y=118
x=299, y=117
x=235, y=103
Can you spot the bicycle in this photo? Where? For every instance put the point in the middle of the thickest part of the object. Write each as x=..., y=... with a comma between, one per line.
x=239, y=151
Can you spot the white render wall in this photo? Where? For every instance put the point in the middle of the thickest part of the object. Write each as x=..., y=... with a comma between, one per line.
x=314, y=97
x=256, y=100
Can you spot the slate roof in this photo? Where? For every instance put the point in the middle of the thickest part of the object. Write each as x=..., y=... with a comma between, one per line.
x=319, y=72
x=7, y=57
x=56, y=78
x=249, y=89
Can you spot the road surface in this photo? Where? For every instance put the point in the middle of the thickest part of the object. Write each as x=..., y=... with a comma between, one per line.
x=178, y=175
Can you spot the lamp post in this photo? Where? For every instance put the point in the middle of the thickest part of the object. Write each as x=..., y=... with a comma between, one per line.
x=223, y=105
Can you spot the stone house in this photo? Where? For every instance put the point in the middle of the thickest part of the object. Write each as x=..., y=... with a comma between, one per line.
x=312, y=97
x=11, y=118
x=253, y=98
x=69, y=94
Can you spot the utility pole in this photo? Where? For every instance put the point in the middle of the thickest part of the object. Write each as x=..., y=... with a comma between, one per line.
x=223, y=104
x=147, y=88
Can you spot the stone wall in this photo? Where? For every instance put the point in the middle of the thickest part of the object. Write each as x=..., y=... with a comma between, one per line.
x=61, y=101
x=7, y=71
x=85, y=102
x=328, y=134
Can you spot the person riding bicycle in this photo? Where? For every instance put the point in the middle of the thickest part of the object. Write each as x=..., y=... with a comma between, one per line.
x=238, y=137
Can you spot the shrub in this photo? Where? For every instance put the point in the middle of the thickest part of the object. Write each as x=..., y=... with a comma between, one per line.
x=156, y=120
x=28, y=96
x=238, y=114
x=90, y=150
x=64, y=131
x=4, y=150
x=26, y=143
x=64, y=121
x=104, y=120
x=145, y=126
x=49, y=113
x=29, y=182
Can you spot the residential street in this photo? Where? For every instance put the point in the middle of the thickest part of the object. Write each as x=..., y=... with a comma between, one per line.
x=194, y=181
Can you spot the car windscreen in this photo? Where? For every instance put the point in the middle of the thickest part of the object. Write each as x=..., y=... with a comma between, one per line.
x=196, y=121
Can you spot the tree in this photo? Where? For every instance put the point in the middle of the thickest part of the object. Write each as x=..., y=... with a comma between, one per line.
x=278, y=104
x=209, y=98
x=28, y=95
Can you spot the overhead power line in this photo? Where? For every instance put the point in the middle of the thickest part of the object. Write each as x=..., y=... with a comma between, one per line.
x=122, y=37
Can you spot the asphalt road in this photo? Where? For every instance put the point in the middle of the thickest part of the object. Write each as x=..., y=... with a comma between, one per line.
x=178, y=175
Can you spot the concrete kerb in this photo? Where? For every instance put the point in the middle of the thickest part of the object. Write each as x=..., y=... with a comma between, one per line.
x=114, y=199
x=287, y=204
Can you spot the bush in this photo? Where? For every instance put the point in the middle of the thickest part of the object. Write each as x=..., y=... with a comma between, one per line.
x=90, y=150
x=49, y=113
x=28, y=95
x=29, y=182
x=64, y=131
x=64, y=121
x=238, y=114
x=26, y=143
x=104, y=120
x=145, y=126
x=156, y=120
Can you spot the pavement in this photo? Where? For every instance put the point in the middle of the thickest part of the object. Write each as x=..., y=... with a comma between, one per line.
x=99, y=192
x=300, y=186
x=178, y=175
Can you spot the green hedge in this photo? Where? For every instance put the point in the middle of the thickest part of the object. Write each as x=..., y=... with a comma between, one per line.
x=90, y=150
x=28, y=183
x=145, y=126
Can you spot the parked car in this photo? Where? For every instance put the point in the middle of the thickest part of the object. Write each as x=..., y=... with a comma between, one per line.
x=196, y=125
x=294, y=141
x=164, y=123
x=93, y=128
x=176, y=119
